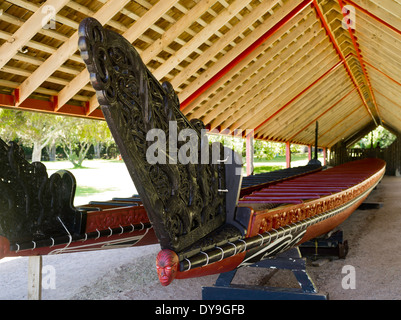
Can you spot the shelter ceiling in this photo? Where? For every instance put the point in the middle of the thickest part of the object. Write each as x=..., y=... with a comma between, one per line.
x=273, y=66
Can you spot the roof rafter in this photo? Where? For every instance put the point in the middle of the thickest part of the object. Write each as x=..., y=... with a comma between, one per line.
x=212, y=79
x=342, y=57
x=140, y=26
x=359, y=57
x=104, y=14
x=28, y=30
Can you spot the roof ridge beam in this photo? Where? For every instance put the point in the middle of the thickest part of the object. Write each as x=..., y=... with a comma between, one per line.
x=359, y=57
x=342, y=57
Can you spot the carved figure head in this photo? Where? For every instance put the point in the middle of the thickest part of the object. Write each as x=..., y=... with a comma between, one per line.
x=167, y=266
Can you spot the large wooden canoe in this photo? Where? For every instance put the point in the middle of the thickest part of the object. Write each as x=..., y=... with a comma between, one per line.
x=281, y=210
x=308, y=206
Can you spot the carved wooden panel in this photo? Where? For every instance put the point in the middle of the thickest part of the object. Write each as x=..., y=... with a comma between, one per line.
x=32, y=205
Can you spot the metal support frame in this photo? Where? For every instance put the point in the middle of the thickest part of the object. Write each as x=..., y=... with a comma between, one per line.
x=289, y=260
x=332, y=245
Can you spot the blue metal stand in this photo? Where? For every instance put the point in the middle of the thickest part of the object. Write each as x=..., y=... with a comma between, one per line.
x=326, y=246
x=289, y=260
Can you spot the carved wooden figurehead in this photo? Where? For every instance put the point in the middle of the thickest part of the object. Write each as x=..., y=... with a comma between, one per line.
x=185, y=200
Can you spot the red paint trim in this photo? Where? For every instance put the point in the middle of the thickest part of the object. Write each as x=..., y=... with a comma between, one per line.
x=7, y=100
x=383, y=73
x=245, y=53
x=37, y=105
x=116, y=217
x=322, y=114
x=222, y=266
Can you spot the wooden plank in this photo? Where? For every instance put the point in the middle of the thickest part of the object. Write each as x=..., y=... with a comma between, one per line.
x=232, y=54
x=267, y=92
x=266, y=103
x=220, y=44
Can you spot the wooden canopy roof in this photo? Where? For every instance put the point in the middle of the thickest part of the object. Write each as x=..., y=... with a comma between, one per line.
x=273, y=66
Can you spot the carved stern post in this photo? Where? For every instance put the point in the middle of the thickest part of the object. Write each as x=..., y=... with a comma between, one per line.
x=185, y=201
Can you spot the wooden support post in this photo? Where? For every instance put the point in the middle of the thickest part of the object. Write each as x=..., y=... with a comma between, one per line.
x=288, y=155
x=324, y=156
x=35, y=278
x=249, y=152
x=309, y=153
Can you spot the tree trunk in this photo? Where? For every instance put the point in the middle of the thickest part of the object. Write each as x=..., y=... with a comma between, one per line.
x=97, y=147
x=37, y=151
x=52, y=151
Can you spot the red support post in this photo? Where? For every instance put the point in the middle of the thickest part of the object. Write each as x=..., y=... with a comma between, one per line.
x=324, y=156
x=288, y=154
x=309, y=153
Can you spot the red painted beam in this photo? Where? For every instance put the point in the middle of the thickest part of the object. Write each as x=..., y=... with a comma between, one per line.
x=322, y=114
x=31, y=104
x=245, y=53
x=383, y=73
x=7, y=100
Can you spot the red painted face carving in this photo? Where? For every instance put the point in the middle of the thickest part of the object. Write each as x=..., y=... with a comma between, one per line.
x=167, y=266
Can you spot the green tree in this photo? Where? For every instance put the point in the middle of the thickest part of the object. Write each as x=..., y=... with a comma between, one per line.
x=31, y=128
x=378, y=138
x=78, y=136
